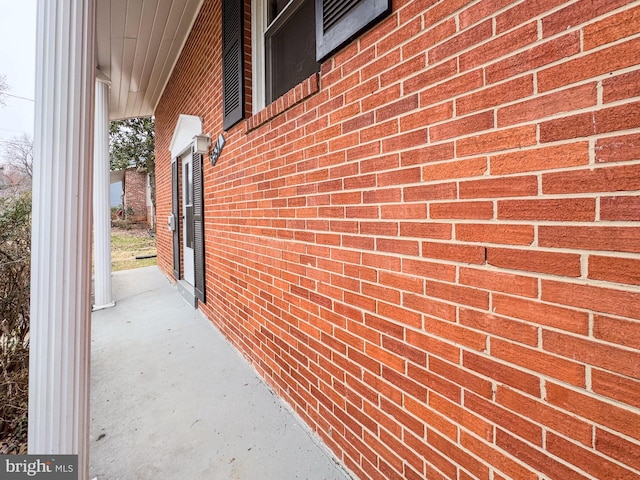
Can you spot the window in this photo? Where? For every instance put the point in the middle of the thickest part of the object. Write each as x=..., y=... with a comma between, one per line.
x=284, y=42
x=290, y=46
x=290, y=38
x=187, y=175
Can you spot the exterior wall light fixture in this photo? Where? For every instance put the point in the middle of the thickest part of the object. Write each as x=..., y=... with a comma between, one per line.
x=201, y=144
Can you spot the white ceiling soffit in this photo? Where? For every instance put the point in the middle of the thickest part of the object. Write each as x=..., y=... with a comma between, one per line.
x=139, y=42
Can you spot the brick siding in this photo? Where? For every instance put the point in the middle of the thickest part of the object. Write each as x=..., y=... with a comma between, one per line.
x=135, y=195
x=432, y=253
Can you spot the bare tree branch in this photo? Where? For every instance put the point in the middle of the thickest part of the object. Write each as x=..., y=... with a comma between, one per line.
x=18, y=156
x=4, y=87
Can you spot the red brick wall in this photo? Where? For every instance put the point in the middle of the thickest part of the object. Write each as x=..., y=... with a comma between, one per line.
x=135, y=194
x=434, y=258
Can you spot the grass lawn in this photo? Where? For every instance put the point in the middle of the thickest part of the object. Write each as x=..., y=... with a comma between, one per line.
x=126, y=245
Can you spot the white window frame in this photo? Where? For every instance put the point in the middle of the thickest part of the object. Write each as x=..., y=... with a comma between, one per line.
x=259, y=30
x=258, y=69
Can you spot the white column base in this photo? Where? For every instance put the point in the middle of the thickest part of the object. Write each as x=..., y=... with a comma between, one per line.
x=103, y=307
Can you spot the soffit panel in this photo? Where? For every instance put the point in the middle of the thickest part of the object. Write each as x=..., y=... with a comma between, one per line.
x=139, y=42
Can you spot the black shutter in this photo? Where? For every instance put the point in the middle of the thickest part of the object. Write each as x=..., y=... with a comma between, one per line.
x=175, y=212
x=198, y=225
x=339, y=21
x=232, y=62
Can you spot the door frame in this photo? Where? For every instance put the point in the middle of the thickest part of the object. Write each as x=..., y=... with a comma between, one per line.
x=181, y=147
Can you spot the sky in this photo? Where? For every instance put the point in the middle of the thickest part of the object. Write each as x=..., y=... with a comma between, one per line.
x=17, y=63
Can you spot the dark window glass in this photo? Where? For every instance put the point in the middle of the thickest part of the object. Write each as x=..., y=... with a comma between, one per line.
x=275, y=8
x=291, y=51
x=189, y=173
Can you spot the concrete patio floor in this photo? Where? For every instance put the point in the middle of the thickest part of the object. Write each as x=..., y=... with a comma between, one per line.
x=172, y=399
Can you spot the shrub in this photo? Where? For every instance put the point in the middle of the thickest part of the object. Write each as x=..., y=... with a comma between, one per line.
x=15, y=253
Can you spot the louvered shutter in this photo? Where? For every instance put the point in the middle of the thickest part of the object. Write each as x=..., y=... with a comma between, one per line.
x=175, y=211
x=198, y=225
x=232, y=62
x=339, y=21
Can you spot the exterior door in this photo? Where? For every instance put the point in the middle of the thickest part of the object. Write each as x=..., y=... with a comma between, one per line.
x=187, y=215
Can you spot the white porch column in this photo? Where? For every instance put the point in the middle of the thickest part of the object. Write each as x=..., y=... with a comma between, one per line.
x=101, y=203
x=61, y=233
